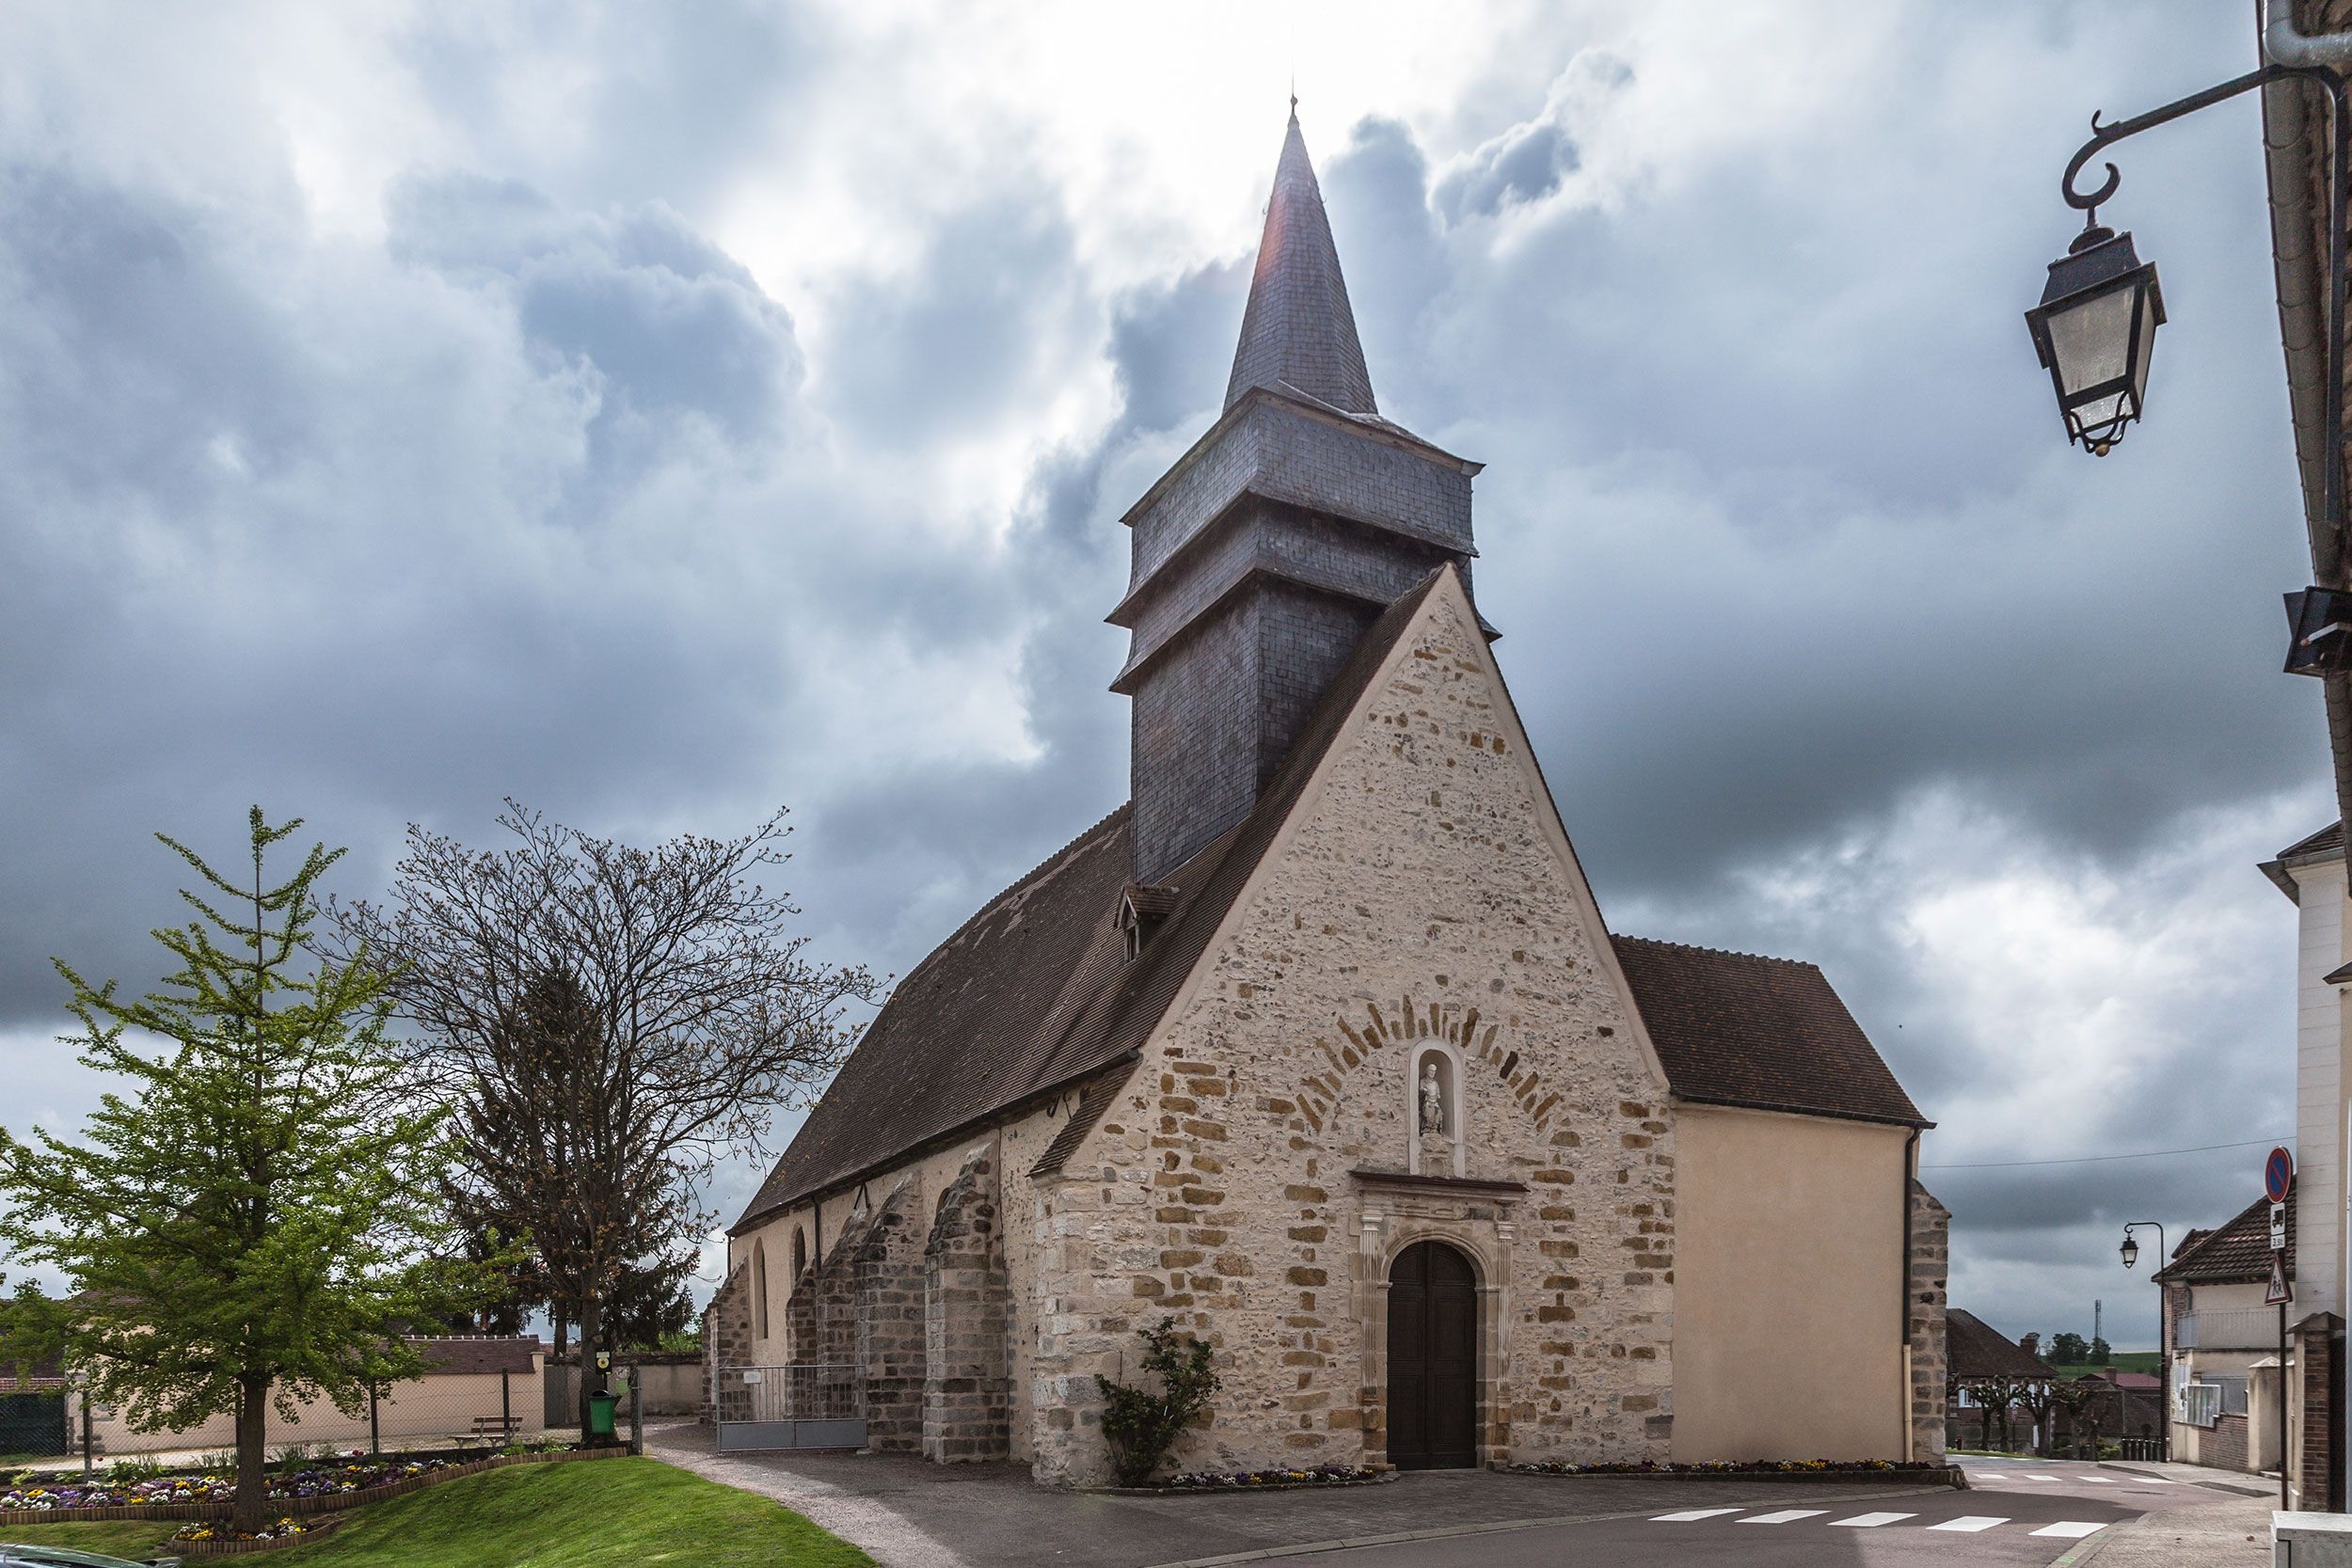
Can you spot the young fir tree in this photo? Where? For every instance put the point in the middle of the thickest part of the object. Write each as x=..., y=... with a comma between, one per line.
x=253, y=1221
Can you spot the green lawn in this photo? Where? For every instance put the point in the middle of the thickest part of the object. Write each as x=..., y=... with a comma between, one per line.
x=605, y=1514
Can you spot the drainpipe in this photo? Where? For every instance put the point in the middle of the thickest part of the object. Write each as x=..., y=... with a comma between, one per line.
x=1902, y=1293
x=2284, y=45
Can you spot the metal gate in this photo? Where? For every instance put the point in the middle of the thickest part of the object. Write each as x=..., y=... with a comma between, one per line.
x=810, y=1405
x=32, y=1423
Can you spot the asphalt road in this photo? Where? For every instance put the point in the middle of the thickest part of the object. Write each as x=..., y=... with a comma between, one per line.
x=2014, y=1514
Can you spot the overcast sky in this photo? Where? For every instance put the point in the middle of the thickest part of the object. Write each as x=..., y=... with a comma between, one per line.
x=662, y=414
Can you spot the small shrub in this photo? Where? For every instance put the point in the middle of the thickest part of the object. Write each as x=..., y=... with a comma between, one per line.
x=1141, y=1426
x=127, y=1472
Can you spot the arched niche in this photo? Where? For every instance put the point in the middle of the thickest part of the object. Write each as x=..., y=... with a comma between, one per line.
x=1435, y=1145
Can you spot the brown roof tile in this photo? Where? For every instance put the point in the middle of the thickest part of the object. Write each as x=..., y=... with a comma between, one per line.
x=466, y=1355
x=2234, y=1253
x=1732, y=1028
x=1974, y=1348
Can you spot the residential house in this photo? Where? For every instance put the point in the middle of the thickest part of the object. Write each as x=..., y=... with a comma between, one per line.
x=2224, y=1346
x=1986, y=1369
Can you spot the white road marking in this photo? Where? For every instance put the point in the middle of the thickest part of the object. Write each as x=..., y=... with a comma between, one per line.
x=2100, y=1480
x=2152, y=1480
x=2041, y=1478
x=1687, y=1516
x=1783, y=1515
x=1971, y=1522
x=2070, y=1530
x=1868, y=1521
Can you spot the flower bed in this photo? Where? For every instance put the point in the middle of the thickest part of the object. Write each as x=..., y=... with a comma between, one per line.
x=1269, y=1481
x=214, y=1488
x=285, y=1529
x=328, y=1492
x=1755, y=1470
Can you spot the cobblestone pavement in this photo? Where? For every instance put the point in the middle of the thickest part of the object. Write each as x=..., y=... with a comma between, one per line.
x=912, y=1514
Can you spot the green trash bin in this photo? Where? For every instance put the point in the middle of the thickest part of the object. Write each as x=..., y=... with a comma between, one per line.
x=600, y=1415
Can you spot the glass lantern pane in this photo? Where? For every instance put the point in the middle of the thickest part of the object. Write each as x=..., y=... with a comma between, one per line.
x=2093, y=417
x=2090, y=339
x=2144, y=343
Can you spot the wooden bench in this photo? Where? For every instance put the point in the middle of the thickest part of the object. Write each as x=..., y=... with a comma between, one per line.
x=500, y=1429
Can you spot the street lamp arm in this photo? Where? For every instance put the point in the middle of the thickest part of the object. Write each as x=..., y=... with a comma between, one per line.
x=2104, y=137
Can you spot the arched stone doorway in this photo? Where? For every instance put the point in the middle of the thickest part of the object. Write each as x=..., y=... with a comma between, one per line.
x=1433, y=1359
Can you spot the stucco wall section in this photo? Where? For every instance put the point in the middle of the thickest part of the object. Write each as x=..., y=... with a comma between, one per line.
x=2320, y=1086
x=1791, y=1271
x=1421, y=898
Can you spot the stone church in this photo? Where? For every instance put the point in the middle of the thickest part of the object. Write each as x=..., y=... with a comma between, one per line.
x=1320, y=1046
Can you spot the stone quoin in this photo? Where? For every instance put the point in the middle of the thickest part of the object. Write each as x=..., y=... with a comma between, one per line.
x=1321, y=1047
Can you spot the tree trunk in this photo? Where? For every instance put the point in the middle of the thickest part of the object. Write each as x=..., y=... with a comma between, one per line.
x=591, y=1312
x=562, y=1328
x=250, y=1512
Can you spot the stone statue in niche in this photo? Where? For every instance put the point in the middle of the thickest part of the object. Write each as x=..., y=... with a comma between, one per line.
x=1432, y=1100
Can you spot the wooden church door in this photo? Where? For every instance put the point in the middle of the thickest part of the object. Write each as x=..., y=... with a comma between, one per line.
x=1433, y=1359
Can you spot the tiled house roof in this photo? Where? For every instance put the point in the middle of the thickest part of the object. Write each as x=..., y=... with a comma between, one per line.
x=466, y=1355
x=1736, y=1029
x=1975, y=1348
x=2235, y=1253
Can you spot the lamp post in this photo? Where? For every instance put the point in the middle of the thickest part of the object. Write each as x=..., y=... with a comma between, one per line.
x=2095, y=328
x=2130, y=1254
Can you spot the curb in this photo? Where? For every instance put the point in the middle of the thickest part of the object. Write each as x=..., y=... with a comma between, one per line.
x=1393, y=1538
x=1382, y=1478
x=1951, y=1476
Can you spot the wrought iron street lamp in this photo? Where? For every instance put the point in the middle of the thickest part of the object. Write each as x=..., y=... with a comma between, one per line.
x=2095, y=329
x=2130, y=1251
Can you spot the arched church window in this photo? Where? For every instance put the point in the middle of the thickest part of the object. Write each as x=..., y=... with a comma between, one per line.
x=759, y=1283
x=800, y=1256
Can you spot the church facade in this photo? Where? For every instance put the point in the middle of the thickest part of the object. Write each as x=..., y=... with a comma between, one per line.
x=1321, y=1047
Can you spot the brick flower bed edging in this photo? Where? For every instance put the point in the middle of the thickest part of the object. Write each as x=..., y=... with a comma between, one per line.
x=325, y=1502
x=1947, y=1475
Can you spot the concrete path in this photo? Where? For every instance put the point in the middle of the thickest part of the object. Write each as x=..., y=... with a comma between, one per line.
x=911, y=1514
x=2231, y=1534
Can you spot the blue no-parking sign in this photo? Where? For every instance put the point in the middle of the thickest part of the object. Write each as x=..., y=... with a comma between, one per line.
x=2278, y=1175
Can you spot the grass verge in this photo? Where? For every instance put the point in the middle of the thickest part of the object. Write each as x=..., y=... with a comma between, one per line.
x=610, y=1514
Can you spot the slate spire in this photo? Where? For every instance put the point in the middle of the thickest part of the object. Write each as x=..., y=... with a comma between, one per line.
x=1298, y=331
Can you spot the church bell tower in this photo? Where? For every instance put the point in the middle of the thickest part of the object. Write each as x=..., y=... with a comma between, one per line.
x=1263, y=555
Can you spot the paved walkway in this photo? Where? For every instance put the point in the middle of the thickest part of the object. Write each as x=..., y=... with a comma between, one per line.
x=911, y=1514
x=2234, y=1533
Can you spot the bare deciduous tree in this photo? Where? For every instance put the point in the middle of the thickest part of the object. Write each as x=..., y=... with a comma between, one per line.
x=607, y=1021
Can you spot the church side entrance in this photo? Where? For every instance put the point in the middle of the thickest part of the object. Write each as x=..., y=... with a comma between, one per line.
x=1433, y=1359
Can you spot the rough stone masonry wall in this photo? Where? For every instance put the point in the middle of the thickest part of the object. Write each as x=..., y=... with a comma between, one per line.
x=1930, y=1255
x=967, y=1395
x=1421, y=902
x=727, y=1341
x=886, y=1299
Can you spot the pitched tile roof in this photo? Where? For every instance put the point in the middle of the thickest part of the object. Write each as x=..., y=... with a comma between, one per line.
x=1974, y=1348
x=1297, y=331
x=1033, y=995
x=2234, y=1253
x=1736, y=1029
x=1035, y=992
x=2329, y=840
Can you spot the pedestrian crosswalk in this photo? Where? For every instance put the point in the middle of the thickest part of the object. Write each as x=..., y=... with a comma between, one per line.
x=1972, y=1523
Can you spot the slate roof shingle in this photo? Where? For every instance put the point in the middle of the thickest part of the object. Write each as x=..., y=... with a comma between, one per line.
x=1736, y=1029
x=1298, y=330
x=1974, y=1348
x=2236, y=1252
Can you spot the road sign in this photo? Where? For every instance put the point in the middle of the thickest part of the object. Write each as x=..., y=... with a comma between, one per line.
x=2278, y=1175
x=2277, y=1227
x=2281, y=1292
x=604, y=1360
